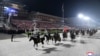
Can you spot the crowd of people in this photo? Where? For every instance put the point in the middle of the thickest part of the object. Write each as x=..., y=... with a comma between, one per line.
x=27, y=24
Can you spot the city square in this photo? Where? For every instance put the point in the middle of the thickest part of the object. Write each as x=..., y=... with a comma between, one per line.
x=49, y=28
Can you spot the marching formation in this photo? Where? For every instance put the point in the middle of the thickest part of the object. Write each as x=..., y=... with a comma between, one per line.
x=39, y=37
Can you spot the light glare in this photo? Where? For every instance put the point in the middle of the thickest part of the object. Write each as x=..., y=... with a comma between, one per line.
x=6, y=8
x=80, y=15
x=86, y=18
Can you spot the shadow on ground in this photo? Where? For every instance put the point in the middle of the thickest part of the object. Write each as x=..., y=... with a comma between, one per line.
x=64, y=45
x=58, y=44
x=68, y=45
x=49, y=50
x=73, y=41
x=83, y=42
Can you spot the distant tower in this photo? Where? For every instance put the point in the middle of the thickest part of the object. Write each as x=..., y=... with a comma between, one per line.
x=63, y=20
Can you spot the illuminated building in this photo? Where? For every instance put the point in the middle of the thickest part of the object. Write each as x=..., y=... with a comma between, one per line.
x=45, y=17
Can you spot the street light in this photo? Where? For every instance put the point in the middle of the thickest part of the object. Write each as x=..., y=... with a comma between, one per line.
x=83, y=17
x=80, y=15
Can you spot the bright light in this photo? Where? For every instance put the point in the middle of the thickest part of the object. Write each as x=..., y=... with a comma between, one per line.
x=86, y=18
x=80, y=16
x=9, y=10
x=6, y=8
x=12, y=10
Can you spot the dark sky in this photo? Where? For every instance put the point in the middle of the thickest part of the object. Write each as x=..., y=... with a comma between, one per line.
x=90, y=8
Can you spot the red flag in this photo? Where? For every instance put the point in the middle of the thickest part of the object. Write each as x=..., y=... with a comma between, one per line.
x=65, y=29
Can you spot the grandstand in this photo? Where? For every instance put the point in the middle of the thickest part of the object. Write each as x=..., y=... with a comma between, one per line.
x=23, y=20
x=46, y=20
x=28, y=24
x=42, y=21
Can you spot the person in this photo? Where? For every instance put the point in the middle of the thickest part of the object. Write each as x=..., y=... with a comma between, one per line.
x=72, y=35
x=57, y=37
x=28, y=33
x=12, y=32
x=42, y=38
x=77, y=32
x=64, y=35
x=46, y=32
x=12, y=36
x=35, y=39
x=47, y=35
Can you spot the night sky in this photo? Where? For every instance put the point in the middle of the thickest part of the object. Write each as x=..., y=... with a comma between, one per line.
x=90, y=8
